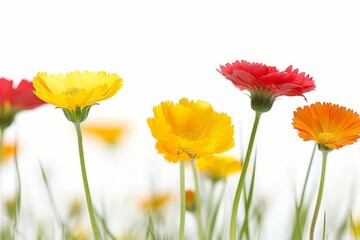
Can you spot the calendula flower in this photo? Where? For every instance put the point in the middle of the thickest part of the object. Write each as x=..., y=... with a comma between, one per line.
x=190, y=129
x=15, y=99
x=266, y=83
x=219, y=167
x=7, y=151
x=108, y=132
x=329, y=125
x=155, y=202
x=76, y=92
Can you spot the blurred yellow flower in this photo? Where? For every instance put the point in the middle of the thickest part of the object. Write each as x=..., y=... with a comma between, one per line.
x=355, y=228
x=155, y=202
x=219, y=167
x=78, y=231
x=190, y=129
x=329, y=125
x=108, y=132
x=76, y=89
x=7, y=151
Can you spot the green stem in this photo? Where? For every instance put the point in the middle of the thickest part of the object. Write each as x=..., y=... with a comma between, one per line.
x=215, y=213
x=1, y=143
x=242, y=178
x=198, y=202
x=182, y=201
x=319, y=196
x=86, y=184
x=18, y=191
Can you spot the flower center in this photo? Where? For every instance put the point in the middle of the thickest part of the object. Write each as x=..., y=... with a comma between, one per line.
x=72, y=91
x=326, y=137
x=189, y=135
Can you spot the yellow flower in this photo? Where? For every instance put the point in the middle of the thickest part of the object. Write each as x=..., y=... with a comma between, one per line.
x=7, y=151
x=155, y=202
x=79, y=231
x=190, y=129
x=219, y=167
x=329, y=125
x=109, y=132
x=76, y=92
x=355, y=229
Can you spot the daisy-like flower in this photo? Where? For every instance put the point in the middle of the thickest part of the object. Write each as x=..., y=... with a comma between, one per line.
x=189, y=129
x=329, y=125
x=15, y=99
x=76, y=92
x=266, y=83
x=219, y=167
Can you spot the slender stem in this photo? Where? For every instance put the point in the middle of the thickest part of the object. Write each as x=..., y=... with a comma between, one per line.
x=182, y=201
x=18, y=191
x=215, y=213
x=210, y=199
x=319, y=196
x=298, y=230
x=1, y=143
x=307, y=176
x=86, y=184
x=198, y=202
x=242, y=178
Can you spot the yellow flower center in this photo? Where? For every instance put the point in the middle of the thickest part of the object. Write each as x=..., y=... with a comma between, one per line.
x=189, y=135
x=326, y=137
x=72, y=91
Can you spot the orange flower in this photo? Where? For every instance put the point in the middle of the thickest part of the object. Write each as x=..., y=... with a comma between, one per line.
x=190, y=200
x=155, y=202
x=330, y=125
x=108, y=132
x=7, y=151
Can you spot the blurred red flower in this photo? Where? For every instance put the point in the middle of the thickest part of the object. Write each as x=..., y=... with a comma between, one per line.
x=21, y=97
x=14, y=99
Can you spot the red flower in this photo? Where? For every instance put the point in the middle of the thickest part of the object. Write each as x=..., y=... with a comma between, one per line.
x=266, y=82
x=13, y=100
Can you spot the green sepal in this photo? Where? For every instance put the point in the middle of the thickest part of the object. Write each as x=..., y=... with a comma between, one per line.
x=77, y=116
x=324, y=148
x=6, y=118
x=262, y=100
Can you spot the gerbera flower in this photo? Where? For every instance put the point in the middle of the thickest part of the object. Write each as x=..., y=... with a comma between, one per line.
x=219, y=167
x=14, y=99
x=329, y=125
x=190, y=129
x=266, y=83
x=76, y=92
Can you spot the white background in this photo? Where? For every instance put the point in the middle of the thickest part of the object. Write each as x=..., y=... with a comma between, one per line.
x=165, y=50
